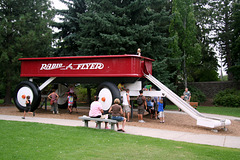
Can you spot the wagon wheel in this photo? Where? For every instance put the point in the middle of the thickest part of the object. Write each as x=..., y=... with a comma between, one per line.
x=24, y=89
x=107, y=92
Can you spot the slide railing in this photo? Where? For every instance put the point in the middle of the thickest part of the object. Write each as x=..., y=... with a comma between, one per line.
x=201, y=119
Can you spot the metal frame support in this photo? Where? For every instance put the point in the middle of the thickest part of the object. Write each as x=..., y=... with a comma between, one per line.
x=47, y=82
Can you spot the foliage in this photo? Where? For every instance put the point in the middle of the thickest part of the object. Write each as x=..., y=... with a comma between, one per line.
x=203, y=74
x=110, y=27
x=196, y=94
x=223, y=30
x=91, y=143
x=82, y=93
x=206, y=70
x=24, y=32
x=235, y=68
x=227, y=98
x=184, y=32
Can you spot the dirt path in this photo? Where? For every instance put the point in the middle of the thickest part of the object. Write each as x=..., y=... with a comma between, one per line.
x=173, y=121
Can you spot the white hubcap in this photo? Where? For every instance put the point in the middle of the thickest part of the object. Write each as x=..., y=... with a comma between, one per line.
x=105, y=98
x=22, y=95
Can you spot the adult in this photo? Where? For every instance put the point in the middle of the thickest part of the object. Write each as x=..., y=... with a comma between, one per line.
x=96, y=110
x=187, y=95
x=141, y=101
x=139, y=52
x=116, y=111
x=53, y=98
x=126, y=105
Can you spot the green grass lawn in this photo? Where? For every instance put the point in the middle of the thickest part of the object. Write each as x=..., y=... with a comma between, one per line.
x=229, y=111
x=24, y=140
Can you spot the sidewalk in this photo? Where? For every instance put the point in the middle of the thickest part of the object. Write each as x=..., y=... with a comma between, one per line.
x=215, y=140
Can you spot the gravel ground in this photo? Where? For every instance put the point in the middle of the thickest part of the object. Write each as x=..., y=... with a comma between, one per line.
x=173, y=121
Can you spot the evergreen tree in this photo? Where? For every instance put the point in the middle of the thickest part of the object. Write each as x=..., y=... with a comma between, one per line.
x=110, y=27
x=184, y=32
x=235, y=48
x=208, y=66
x=24, y=32
x=222, y=27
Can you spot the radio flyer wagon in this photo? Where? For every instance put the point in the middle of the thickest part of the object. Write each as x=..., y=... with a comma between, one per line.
x=107, y=72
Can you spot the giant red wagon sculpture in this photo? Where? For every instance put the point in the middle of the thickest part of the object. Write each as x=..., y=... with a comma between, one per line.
x=106, y=71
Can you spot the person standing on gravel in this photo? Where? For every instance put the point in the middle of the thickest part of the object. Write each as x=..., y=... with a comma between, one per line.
x=54, y=106
x=126, y=105
x=141, y=101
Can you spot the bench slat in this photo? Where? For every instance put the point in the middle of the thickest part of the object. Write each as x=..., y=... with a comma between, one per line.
x=98, y=121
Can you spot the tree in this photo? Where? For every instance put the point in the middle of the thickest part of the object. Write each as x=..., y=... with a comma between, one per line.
x=110, y=27
x=24, y=32
x=222, y=27
x=208, y=66
x=235, y=48
x=184, y=32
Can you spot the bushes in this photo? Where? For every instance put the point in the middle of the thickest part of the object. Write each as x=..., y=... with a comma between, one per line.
x=227, y=98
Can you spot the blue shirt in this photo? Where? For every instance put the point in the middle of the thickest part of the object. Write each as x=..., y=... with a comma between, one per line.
x=149, y=103
x=160, y=107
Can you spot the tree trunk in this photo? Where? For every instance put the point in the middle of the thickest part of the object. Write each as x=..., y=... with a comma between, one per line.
x=89, y=95
x=184, y=69
x=7, y=98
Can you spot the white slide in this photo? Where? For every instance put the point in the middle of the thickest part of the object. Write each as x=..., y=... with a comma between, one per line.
x=202, y=120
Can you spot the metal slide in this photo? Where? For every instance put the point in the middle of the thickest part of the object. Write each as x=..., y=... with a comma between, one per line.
x=202, y=120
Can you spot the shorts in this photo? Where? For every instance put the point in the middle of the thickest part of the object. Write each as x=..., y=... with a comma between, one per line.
x=141, y=110
x=161, y=114
x=99, y=116
x=118, y=118
x=74, y=105
x=27, y=109
x=126, y=108
x=70, y=104
x=149, y=107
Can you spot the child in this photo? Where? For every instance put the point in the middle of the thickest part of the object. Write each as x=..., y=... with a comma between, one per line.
x=160, y=110
x=75, y=102
x=28, y=107
x=149, y=106
x=70, y=102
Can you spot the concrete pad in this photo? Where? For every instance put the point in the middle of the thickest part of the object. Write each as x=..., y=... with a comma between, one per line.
x=232, y=142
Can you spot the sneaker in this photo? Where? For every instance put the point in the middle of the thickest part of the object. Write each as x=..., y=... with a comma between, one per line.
x=141, y=121
x=23, y=117
x=107, y=128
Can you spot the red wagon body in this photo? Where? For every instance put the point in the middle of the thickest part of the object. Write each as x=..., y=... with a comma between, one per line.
x=86, y=66
x=105, y=71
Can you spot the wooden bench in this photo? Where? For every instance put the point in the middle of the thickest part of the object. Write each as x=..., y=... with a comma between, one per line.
x=98, y=121
x=194, y=104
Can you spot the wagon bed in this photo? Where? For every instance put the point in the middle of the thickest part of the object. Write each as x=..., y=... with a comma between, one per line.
x=86, y=67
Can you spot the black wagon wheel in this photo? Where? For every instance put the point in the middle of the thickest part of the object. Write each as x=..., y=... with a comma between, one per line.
x=24, y=89
x=107, y=92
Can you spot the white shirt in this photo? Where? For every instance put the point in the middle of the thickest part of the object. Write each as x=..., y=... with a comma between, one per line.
x=125, y=101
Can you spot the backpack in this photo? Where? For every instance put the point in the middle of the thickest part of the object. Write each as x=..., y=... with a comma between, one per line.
x=139, y=100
